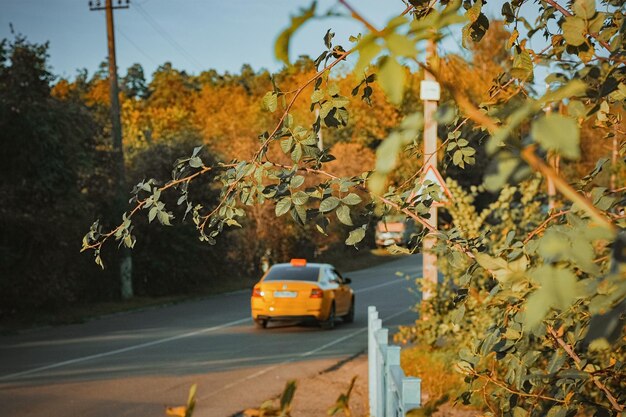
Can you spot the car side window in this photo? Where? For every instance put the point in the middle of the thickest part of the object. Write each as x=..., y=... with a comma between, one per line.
x=325, y=276
x=336, y=276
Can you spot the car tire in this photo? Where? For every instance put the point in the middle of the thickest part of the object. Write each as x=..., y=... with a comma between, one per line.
x=349, y=318
x=330, y=322
x=261, y=324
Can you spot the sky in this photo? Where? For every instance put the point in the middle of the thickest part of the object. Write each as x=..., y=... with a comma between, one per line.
x=194, y=35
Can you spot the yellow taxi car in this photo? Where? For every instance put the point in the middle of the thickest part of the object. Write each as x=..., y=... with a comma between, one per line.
x=299, y=291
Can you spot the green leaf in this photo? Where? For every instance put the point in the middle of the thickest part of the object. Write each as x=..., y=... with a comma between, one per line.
x=286, y=144
x=317, y=96
x=300, y=198
x=387, y=153
x=326, y=108
x=343, y=214
x=457, y=158
x=301, y=212
x=152, y=214
x=553, y=245
x=270, y=101
x=522, y=66
x=340, y=101
x=576, y=108
x=557, y=411
x=400, y=45
x=329, y=204
x=321, y=229
x=283, y=206
x=585, y=8
x=395, y=249
x=296, y=181
x=392, y=77
x=164, y=217
x=596, y=24
x=557, y=361
x=368, y=50
x=573, y=374
x=490, y=263
x=281, y=48
x=558, y=133
x=296, y=154
x=574, y=29
x=519, y=412
x=351, y=199
x=557, y=290
x=355, y=236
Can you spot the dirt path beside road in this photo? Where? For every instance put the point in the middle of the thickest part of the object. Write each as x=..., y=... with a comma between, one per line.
x=317, y=394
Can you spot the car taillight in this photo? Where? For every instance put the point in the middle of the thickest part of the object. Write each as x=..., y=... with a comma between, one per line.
x=256, y=292
x=317, y=293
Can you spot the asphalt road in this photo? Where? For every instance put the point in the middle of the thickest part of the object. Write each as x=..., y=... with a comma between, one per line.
x=134, y=364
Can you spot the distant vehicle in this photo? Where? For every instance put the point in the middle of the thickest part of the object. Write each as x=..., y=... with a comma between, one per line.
x=393, y=230
x=299, y=291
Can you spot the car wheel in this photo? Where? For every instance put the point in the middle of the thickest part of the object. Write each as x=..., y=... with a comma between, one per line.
x=349, y=318
x=330, y=322
x=262, y=324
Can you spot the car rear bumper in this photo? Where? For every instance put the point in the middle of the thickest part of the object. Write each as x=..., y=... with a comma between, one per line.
x=289, y=315
x=287, y=318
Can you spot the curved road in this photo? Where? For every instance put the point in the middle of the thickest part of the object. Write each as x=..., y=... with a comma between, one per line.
x=134, y=364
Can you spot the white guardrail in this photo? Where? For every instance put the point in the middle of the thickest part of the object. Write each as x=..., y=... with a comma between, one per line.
x=391, y=393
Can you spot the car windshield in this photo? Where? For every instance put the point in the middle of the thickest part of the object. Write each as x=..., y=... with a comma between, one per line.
x=293, y=273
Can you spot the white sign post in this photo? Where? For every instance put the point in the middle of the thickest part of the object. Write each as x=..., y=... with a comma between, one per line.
x=429, y=92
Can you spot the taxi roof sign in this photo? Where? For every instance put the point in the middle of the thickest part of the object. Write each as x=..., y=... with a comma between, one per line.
x=298, y=262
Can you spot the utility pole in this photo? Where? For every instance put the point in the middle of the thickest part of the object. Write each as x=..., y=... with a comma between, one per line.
x=126, y=263
x=429, y=93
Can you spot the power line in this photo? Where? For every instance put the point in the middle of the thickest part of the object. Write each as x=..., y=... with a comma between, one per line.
x=165, y=35
x=141, y=51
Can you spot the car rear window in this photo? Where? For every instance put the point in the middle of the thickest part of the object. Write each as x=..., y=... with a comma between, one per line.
x=293, y=273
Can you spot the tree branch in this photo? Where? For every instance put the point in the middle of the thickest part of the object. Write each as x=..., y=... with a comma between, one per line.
x=566, y=13
x=570, y=352
x=544, y=225
x=528, y=154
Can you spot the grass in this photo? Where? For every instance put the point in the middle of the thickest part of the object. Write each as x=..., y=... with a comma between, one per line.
x=81, y=313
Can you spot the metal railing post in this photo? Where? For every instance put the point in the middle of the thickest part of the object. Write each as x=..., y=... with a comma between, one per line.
x=391, y=393
x=391, y=390
x=372, y=315
x=382, y=336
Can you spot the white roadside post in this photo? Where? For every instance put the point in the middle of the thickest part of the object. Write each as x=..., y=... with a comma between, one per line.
x=391, y=392
x=372, y=357
x=382, y=338
x=430, y=94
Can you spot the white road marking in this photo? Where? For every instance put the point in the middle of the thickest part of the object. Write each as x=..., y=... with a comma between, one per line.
x=126, y=349
x=300, y=356
x=177, y=337
x=384, y=284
